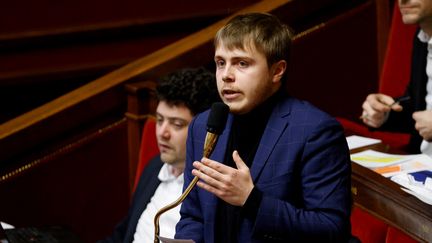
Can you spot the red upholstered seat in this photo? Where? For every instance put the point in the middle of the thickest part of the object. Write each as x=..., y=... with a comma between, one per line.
x=396, y=236
x=367, y=228
x=148, y=147
x=394, y=78
x=398, y=141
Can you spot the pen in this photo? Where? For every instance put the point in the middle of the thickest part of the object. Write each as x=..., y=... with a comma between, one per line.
x=400, y=99
x=397, y=100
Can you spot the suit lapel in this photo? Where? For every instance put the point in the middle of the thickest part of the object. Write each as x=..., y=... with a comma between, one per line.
x=274, y=129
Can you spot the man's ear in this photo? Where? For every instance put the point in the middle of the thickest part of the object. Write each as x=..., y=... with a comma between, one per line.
x=279, y=69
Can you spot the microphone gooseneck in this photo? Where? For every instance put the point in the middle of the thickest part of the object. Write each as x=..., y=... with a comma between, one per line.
x=215, y=126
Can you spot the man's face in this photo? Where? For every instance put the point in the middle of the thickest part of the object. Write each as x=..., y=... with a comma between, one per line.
x=416, y=11
x=244, y=79
x=171, y=131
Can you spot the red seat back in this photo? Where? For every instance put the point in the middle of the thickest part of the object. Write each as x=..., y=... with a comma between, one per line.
x=370, y=229
x=148, y=147
x=367, y=228
x=396, y=69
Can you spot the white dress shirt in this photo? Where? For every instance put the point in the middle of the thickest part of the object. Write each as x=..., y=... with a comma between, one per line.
x=426, y=147
x=167, y=192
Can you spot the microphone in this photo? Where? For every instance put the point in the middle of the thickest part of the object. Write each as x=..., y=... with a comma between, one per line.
x=215, y=126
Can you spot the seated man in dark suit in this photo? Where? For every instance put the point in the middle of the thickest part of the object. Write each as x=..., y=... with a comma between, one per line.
x=181, y=96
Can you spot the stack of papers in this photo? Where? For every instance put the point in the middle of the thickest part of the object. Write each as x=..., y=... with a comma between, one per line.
x=413, y=172
x=355, y=141
x=422, y=189
x=391, y=164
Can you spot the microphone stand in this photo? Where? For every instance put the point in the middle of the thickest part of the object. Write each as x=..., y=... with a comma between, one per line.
x=209, y=144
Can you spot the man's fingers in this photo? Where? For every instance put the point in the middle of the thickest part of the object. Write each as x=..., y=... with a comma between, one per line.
x=219, y=167
x=207, y=175
x=397, y=107
x=238, y=160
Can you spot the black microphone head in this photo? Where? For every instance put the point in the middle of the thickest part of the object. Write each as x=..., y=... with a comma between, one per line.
x=217, y=118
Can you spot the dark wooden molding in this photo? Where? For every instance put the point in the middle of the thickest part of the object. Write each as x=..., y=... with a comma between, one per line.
x=53, y=56
x=30, y=33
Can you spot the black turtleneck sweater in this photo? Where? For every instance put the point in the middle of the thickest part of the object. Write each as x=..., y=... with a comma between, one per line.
x=245, y=136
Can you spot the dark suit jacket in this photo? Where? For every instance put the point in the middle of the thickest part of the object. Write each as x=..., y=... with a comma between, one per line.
x=402, y=121
x=302, y=167
x=147, y=185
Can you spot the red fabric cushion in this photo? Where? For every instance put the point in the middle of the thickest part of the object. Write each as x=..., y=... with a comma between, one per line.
x=367, y=228
x=396, y=140
x=370, y=229
x=396, y=236
x=396, y=69
x=148, y=148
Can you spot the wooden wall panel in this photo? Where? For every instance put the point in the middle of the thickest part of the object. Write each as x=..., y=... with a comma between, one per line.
x=335, y=66
x=49, y=16
x=50, y=48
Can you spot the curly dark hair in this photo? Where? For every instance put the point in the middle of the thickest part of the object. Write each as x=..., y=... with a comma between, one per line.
x=193, y=87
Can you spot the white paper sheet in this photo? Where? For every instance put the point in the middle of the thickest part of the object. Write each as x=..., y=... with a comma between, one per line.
x=355, y=141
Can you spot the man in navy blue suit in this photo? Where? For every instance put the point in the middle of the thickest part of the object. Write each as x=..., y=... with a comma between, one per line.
x=280, y=171
x=181, y=95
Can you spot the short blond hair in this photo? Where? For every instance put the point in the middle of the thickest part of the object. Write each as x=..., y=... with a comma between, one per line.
x=265, y=31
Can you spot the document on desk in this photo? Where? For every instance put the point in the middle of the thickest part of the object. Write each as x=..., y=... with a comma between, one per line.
x=355, y=141
x=389, y=165
x=374, y=159
x=418, y=184
x=412, y=172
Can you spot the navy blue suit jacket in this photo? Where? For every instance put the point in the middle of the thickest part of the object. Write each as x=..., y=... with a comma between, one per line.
x=147, y=185
x=302, y=167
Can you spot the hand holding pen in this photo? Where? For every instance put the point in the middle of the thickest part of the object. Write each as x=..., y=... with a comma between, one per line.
x=376, y=108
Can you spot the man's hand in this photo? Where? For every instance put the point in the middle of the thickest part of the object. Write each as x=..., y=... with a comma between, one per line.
x=376, y=108
x=423, y=124
x=229, y=184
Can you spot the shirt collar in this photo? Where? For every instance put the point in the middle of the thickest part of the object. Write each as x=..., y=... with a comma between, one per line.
x=165, y=174
x=423, y=37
